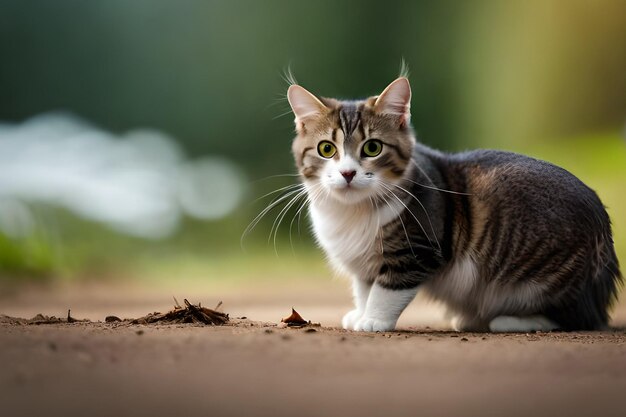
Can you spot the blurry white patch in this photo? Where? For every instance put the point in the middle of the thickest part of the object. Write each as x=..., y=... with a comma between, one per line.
x=521, y=324
x=16, y=220
x=139, y=184
x=210, y=188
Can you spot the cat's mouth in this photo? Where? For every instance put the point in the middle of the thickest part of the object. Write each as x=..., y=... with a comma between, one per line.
x=350, y=193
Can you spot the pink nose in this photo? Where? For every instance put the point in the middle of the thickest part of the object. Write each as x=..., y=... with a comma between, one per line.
x=348, y=175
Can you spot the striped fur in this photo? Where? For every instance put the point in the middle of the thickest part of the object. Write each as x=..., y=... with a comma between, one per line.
x=499, y=237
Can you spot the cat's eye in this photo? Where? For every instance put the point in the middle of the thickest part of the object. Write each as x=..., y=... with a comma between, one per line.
x=326, y=149
x=372, y=147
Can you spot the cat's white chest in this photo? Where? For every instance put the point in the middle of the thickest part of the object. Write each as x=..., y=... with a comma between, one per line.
x=350, y=235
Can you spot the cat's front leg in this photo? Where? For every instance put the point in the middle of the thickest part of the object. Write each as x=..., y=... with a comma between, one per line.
x=360, y=294
x=383, y=308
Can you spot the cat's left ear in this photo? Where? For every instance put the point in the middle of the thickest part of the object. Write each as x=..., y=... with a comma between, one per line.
x=396, y=100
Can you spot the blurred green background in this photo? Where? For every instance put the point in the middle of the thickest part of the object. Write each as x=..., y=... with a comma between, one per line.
x=544, y=78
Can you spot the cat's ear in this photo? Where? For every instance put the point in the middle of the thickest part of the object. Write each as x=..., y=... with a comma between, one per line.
x=396, y=99
x=305, y=105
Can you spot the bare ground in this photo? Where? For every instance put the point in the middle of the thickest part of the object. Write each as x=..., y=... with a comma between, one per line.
x=251, y=367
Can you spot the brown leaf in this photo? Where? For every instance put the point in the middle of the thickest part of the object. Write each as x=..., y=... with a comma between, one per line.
x=294, y=319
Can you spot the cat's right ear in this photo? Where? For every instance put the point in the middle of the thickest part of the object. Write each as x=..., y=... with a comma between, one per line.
x=305, y=105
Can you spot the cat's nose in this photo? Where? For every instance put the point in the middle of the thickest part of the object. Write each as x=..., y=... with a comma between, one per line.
x=348, y=175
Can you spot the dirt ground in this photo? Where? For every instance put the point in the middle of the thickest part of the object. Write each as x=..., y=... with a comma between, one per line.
x=253, y=368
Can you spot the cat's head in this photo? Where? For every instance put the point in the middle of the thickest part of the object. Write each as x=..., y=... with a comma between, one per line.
x=351, y=151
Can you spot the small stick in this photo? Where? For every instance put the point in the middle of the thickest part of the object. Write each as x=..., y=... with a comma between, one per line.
x=70, y=319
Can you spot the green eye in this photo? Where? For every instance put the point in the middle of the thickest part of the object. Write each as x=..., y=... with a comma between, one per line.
x=372, y=147
x=326, y=149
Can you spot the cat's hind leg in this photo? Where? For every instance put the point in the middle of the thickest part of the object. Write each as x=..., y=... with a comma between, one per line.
x=461, y=323
x=383, y=308
x=503, y=324
x=360, y=294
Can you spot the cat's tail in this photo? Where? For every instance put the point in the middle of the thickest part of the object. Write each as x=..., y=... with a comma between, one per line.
x=590, y=309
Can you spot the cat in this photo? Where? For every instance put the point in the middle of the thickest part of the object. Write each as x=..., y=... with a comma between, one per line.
x=507, y=242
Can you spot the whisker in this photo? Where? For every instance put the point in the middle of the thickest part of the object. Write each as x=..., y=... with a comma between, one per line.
x=408, y=241
x=436, y=189
x=281, y=216
x=287, y=187
x=432, y=187
x=263, y=212
x=293, y=219
x=312, y=195
x=379, y=231
x=276, y=176
x=297, y=193
x=432, y=228
x=407, y=209
x=282, y=114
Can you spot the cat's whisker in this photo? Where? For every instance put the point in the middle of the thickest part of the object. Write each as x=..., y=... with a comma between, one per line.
x=410, y=212
x=308, y=198
x=276, y=176
x=297, y=195
x=378, y=229
x=435, y=188
x=281, y=216
x=312, y=195
x=287, y=187
x=432, y=186
x=323, y=193
x=297, y=212
x=282, y=115
x=305, y=199
x=266, y=210
x=432, y=228
x=399, y=217
x=293, y=219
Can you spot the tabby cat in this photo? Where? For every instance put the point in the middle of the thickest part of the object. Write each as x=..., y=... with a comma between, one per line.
x=507, y=242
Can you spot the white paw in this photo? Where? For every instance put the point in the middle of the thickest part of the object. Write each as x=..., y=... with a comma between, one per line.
x=351, y=318
x=367, y=324
x=467, y=324
x=522, y=324
x=456, y=323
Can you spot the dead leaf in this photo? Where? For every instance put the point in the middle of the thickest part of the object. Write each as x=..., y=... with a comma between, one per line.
x=294, y=319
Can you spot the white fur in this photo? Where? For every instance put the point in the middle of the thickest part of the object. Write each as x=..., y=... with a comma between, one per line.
x=383, y=308
x=349, y=233
x=363, y=185
x=521, y=324
x=475, y=303
x=360, y=292
x=455, y=284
